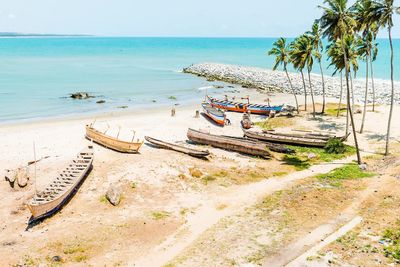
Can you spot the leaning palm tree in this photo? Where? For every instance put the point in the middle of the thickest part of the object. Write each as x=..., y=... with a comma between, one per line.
x=337, y=22
x=372, y=58
x=315, y=35
x=302, y=56
x=382, y=13
x=281, y=52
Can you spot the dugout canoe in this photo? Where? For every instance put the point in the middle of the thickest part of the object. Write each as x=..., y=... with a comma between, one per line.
x=244, y=146
x=112, y=142
x=182, y=149
x=215, y=114
x=58, y=192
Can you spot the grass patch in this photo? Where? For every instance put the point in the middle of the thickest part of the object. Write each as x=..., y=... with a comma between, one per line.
x=332, y=109
x=159, y=215
x=392, y=236
x=172, y=97
x=133, y=185
x=348, y=172
x=277, y=122
x=74, y=249
x=103, y=199
x=196, y=173
x=304, y=157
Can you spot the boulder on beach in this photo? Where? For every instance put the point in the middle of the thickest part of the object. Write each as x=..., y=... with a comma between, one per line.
x=81, y=95
x=101, y=102
x=113, y=195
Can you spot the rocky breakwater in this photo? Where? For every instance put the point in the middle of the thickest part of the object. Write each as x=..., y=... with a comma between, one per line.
x=276, y=81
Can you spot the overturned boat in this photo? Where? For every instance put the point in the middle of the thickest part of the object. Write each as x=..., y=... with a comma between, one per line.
x=240, y=145
x=189, y=151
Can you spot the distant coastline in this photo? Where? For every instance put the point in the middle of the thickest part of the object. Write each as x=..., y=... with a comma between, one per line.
x=17, y=34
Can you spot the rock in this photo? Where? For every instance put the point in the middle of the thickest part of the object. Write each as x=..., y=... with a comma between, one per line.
x=113, y=195
x=363, y=167
x=81, y=95
x=311, y=156
x=218, y=86
x=123, y=107
x=22, y=177
x=358, y=111
x=101, y=102
x=56, y=258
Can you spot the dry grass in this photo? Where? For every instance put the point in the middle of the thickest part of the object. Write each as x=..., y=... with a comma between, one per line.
x=277, y=122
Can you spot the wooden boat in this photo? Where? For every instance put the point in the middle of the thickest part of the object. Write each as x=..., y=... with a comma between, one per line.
x=60, y=189
x=218, y=116
x=229, y=143
x=112, y=142
x=243, y=107
x=305, y=135
x=288, y=138
x=190, y=151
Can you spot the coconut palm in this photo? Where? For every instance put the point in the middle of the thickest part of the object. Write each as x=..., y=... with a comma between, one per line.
x=315, y=35
x=281, y=52
x=372, y=58
x=298, y=64
x=337, y=22
x=364, y=48
x=302, y=55
x=382, y=14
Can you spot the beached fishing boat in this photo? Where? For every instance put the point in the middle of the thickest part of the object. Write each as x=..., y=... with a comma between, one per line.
x=289, y=138
x=112, y=142
x=244, y=107
x=61, y=188
x=217, y=115
x=229, y=143
x=189, y=151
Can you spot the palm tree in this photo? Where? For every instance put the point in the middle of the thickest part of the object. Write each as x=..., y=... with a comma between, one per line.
x=298, y=64
x=281, y=52
x=382, y=14
x=315, y=35
x=364, y=51
x=302, y=56
x=337, y=22
x=372, y=58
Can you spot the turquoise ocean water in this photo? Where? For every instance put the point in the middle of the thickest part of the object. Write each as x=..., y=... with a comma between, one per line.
x=37, y=73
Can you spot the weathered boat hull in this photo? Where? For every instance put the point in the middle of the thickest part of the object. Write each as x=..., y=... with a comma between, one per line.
x=49, y=200
x=178, y=148
x=242, y=107
x=229, y=143
x=111, y=142
x=286, y=139
x=217, y=116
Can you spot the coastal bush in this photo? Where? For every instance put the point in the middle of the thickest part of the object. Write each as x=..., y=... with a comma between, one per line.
x=335, y=146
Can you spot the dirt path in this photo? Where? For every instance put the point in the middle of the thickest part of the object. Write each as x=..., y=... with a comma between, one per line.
x=236, y=200
x=324, y=234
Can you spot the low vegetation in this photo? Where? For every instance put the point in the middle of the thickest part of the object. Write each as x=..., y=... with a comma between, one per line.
x=277, y=122
x=351, y=171
x=392, y=237
x=159, y=215
x=304, y=157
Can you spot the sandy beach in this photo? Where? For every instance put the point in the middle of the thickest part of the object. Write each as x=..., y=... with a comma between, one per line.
x=175, y=209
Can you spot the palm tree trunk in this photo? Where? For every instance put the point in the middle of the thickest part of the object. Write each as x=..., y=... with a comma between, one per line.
x=323, y=88
x=352, y=92
x=348, y=103
x=305, y=90
x=294, y=93
x=311, y=92
x=392, y=92
x=365, y=97
x=341, y=94
x=373, y=85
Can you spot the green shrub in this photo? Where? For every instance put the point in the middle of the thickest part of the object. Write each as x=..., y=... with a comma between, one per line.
x=335, y=146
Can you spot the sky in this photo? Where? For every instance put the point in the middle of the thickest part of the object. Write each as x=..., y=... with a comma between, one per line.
x=185, y=18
